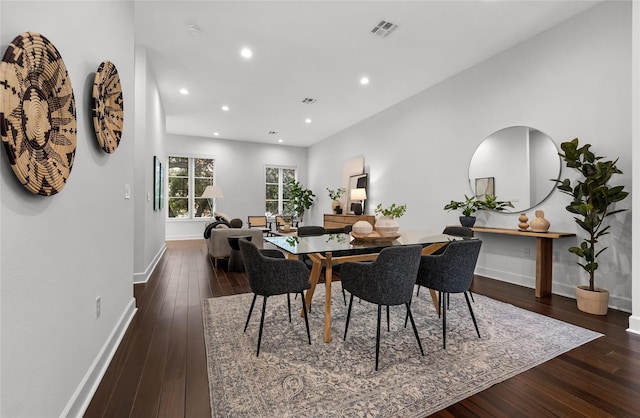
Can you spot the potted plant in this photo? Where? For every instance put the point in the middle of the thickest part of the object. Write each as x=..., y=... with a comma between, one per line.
x=335, y=196
x=301, y=198
x=387, y=225
x=592, y=200
x=472, y=204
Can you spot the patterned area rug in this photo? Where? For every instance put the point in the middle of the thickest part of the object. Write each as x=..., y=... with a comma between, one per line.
x=294, y=379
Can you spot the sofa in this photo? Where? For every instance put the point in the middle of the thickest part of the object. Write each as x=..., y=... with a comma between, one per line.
x=218, y=244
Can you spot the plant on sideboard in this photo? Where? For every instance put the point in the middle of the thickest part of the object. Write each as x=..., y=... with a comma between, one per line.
x=592, y=201
x=471, y=204
x=335, y=196
x=387, y=224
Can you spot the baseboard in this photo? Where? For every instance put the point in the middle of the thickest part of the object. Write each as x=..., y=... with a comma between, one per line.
x=144, y=276
x=634, y=325
x=79, y=402
x=183, y=237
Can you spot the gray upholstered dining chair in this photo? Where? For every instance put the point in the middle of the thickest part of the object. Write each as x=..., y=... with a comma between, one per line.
x=388, y=281
x=450, y=272
x=269, y=276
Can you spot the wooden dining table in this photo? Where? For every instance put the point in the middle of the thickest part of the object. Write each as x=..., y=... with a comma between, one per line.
x=332, y=249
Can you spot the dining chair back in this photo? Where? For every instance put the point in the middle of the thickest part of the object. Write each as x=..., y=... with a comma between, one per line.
x=270, y=275
x=450, y=272
x=387, y=281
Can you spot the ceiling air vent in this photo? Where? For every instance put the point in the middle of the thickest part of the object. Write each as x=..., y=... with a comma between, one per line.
x=273, y=132
x=384, y=28
x=308, y=100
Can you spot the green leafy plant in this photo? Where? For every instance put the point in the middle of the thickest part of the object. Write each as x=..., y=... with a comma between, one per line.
x=301, y=198
x=472, y=204
x=392, y=211
x=336, y=194
x=592, y=198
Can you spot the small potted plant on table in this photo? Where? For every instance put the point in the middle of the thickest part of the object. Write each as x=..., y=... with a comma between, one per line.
x=387, y=225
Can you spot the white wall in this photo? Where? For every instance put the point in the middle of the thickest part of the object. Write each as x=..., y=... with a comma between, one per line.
x=239, y=172
x=61, y=252
x=150, y=141
x=573, y=80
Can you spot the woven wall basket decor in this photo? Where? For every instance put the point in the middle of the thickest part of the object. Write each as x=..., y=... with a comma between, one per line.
x=37, y=114
x=107, y=107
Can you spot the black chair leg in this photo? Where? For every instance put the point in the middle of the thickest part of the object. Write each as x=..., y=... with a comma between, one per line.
x=346, y=326
x=388, y=329
x=344, y=297
x=471, y=294
x=418, y=291
x=253, y=302
x=473, y=317
x=378, y=336
x=444, y=322
x=413, y=324
x=289, y=305
x=306, y=317
x=264, y=308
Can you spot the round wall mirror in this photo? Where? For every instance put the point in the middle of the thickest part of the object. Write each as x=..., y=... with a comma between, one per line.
x=515, y=164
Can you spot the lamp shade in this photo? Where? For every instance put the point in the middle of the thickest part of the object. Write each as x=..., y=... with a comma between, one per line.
x=358, y=194
x=212, y=192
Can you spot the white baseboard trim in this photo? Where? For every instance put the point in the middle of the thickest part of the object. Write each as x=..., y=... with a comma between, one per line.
x=561, y=289
x=634, y=325
x=144, y=276
x=81, y=398
x=183, y=237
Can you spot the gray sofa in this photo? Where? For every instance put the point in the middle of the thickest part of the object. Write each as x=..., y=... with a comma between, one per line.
x=218, y=244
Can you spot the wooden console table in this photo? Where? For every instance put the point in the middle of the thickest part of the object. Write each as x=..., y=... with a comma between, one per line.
x=544, y=253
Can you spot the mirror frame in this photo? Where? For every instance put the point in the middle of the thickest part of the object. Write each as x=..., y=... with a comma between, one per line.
x=494, y=177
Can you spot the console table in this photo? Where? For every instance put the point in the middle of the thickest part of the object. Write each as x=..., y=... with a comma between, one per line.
x=340, y=221
x=544, y=253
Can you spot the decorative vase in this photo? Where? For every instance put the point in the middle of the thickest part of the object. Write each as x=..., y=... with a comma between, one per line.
x=334, y=204
x=596, y=302
x=362, y=228
x=523, y=225
x=338, y=210
x=539, y=223
x=467, y=221
x=387, y=226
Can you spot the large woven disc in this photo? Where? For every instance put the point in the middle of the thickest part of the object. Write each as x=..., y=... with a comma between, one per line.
x=107, y=107
x=37, y=114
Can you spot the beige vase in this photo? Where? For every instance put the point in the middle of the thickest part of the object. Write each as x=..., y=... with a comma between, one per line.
x=522, y=222
x=596, y=302
x=387, y=226
x=539, y=223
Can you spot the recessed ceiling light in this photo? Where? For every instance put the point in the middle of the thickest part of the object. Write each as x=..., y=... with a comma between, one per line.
x=216, y=134
x=280, y=140
x=308, y=120
x=364, y=81
x=225, y=108
x=184, y=91
x=246, y=53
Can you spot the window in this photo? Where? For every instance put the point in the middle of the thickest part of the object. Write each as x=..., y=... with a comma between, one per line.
x=188, y=177
x=277, y=193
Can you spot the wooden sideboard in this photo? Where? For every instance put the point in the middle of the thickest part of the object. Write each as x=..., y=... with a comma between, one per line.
x=340, y=221
x=544, y=253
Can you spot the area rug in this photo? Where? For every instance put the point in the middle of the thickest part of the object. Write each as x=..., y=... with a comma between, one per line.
x=291, y=378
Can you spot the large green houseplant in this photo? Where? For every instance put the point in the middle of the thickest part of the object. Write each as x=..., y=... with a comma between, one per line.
x=592, y=200
x=471, y=204
x=301, y=198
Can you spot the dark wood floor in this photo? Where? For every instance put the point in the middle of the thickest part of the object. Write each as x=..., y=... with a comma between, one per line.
x=160, y=368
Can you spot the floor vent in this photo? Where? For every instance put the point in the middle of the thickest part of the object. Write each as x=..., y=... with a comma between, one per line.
x=384, y=28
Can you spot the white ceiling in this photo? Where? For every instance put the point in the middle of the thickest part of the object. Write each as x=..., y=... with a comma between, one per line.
x=319, y=50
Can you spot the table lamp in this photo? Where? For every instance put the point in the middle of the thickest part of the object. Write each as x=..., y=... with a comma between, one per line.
x=361, y=195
